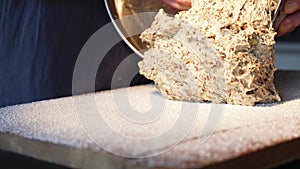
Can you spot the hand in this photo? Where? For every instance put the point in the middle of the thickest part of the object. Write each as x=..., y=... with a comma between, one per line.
x=292, y=9
x=179, y=4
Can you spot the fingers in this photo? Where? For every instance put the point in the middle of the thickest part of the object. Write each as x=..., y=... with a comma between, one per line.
x=292, y=9
x=291, y=6
x=186, y=3
x=178, y=4
x=290, y=23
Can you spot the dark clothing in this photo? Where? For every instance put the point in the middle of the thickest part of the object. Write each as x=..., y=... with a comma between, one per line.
x=39, y=43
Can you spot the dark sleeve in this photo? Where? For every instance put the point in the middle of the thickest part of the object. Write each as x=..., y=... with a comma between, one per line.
x=39, y=43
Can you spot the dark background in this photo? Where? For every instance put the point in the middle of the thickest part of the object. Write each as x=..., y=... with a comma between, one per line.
x=291, y=37
x=39, y=44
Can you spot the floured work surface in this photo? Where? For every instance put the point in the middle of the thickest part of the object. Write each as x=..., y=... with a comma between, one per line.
x=245, y=137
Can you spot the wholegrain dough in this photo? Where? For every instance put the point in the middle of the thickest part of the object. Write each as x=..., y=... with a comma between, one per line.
x=219, y=51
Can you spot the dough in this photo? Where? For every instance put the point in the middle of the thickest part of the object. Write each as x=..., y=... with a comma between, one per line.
x=220, y=51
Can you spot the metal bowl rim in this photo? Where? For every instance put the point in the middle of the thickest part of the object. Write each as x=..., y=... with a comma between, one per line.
x=107, y=6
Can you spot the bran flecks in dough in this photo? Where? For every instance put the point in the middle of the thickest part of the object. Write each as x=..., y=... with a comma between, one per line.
x=219, y=50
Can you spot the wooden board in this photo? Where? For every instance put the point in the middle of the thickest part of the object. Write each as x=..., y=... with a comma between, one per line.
x=262, y=136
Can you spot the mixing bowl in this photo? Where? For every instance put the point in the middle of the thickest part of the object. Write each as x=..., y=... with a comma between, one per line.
x=131, y=17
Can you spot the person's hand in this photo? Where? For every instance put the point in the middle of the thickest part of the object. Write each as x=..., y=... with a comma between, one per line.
x=292, y=9
x=179, y=4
